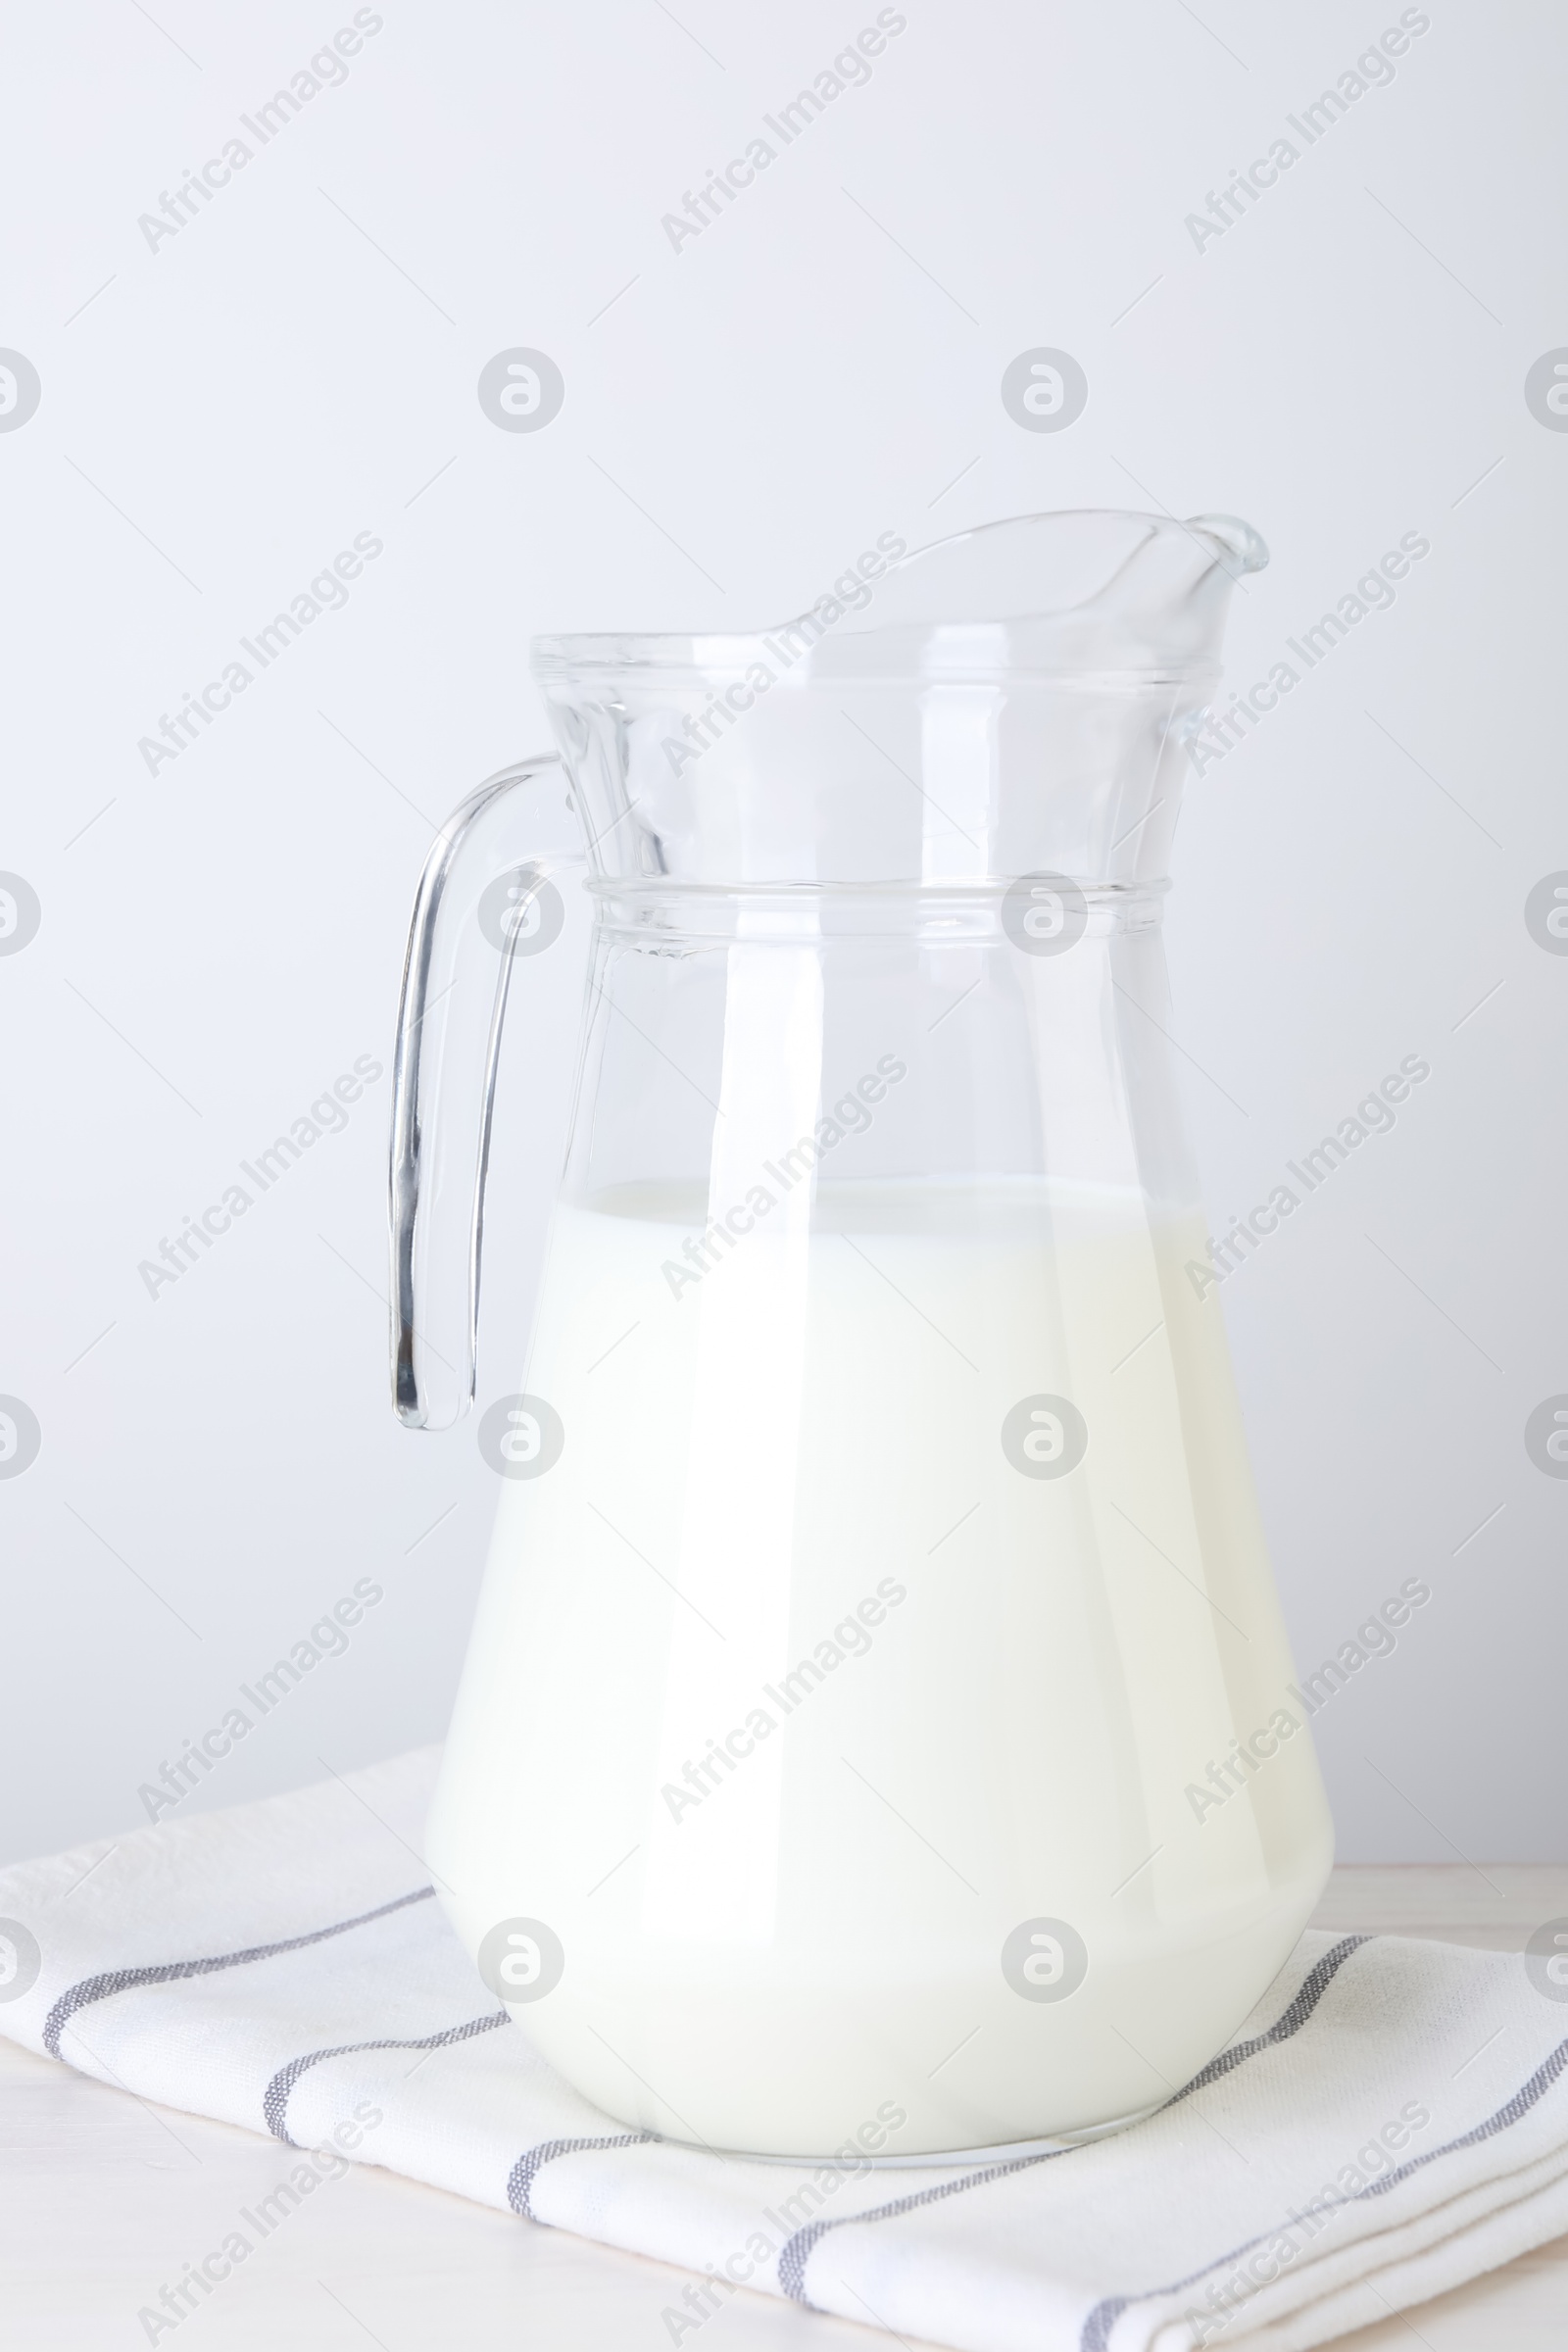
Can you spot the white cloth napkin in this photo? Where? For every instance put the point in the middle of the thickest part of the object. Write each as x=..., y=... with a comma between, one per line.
x=1392, y=2120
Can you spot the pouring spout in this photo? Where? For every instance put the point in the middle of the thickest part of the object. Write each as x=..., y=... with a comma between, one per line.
x=1241, y=542
x=1081, y=591
x=1035, y=681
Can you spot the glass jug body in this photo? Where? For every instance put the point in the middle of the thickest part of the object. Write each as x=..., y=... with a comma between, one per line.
x=878, y=1726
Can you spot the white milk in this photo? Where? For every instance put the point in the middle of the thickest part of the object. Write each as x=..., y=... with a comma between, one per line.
x=791, y=1697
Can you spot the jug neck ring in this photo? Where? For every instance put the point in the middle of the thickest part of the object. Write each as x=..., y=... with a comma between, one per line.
x=931, y=913
x=626, y=673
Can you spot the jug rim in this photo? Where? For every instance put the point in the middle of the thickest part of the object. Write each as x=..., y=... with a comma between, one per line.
x=1235, y=547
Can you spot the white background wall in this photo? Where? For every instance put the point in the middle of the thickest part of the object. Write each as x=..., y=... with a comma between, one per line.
x=298, y=365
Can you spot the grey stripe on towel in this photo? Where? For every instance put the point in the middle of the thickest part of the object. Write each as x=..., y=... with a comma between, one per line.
x=797, y=2251
x=519, y=2180
x=122, y=1979
x=274, y=2099
x=1098, y=2326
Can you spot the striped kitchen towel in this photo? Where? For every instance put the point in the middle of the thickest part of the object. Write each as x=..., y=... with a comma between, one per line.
x=1390, y=2121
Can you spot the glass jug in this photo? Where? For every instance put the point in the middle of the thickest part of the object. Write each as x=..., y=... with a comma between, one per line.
x=876, y=1731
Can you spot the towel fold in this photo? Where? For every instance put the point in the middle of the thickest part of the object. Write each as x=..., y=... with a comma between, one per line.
x=1390, y=2121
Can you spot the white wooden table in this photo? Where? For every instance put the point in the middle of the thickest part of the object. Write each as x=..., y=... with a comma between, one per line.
x=105, y=2199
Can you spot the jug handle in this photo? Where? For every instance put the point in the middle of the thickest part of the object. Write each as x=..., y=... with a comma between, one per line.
x=505, y=839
